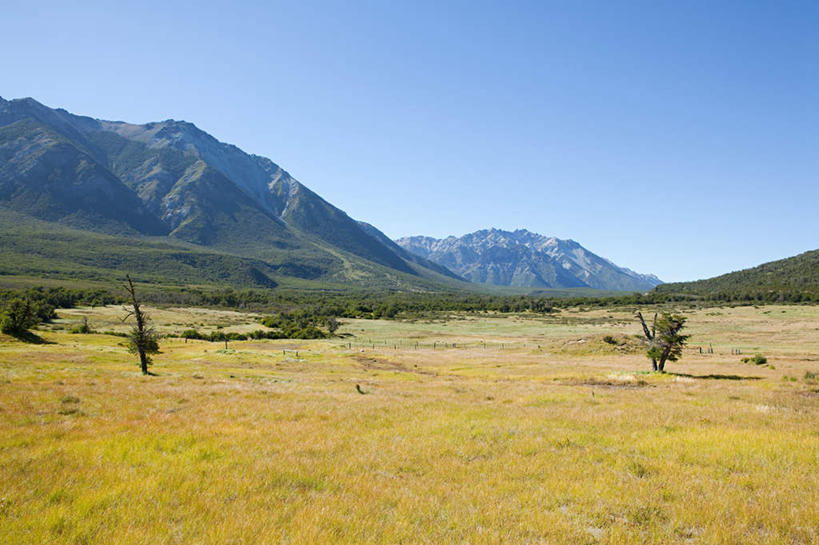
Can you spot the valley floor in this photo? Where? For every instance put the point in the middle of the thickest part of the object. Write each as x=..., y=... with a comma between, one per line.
x=471, y=429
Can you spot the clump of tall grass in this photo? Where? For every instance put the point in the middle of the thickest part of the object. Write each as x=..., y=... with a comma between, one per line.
x=758, y=359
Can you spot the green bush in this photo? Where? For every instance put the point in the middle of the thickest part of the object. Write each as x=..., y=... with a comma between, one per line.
x=758, y=359
x=82, y=328
x=219, y=336
x=262, y=334
x=309, y=332
x=18, y=316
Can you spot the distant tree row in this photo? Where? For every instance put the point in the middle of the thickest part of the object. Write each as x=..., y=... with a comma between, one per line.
x=45, y=300
x=313, y=308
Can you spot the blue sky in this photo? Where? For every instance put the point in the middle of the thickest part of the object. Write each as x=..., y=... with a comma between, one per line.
x=678, y=138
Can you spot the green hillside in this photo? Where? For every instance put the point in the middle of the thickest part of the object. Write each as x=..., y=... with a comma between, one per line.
x=34, y=252
x=30, y=247
x=793, y=279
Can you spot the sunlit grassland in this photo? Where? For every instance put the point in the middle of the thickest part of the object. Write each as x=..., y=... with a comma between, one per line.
x=493, y=430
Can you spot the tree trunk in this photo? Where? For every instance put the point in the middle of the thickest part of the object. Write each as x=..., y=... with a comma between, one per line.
x=664, y=358
x=143, y=362
x=140, y=320
x=650, y=336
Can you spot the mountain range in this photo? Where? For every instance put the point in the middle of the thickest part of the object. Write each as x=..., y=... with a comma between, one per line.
x=183, y=193
x=87, y=198
x=524, y=259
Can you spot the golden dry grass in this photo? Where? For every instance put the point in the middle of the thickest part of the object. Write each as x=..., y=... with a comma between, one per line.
x=526, y=431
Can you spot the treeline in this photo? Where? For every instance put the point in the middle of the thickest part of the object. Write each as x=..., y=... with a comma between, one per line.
x=221, y=336
x=389, y=305
x=308, y=314
x=297, y=304
x=748, y=296
x=351, y=303
x=42, y=302
x=760, y=296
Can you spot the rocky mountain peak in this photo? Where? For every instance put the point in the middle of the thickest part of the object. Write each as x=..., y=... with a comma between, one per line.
x=526, y=259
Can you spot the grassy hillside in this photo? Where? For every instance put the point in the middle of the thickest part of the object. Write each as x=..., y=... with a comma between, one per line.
x=793, y=279
x=33, y=251
x=39, y=249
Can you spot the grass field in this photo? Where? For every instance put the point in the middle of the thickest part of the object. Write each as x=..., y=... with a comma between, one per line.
x=472, y=429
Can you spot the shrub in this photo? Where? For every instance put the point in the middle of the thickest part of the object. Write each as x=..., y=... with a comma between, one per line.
x=19, y=315
x=262, y=334
x=146, y=340
x=82, y=328
x=758, y=359
x=309, y=332
x=220, y=336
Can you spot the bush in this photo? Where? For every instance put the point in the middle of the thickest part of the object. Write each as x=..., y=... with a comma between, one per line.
x=262, y=334
x=19, y=315
x=221, y=336
x=82, y=328
x=309, y=332
x=301, y=324
x=758, y=359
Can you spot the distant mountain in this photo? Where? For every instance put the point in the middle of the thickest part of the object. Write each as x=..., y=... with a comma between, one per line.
x=525, y=259
x=791, y=279
x=172, y=180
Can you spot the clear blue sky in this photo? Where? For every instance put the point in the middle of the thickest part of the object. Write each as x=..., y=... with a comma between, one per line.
x=678, y=138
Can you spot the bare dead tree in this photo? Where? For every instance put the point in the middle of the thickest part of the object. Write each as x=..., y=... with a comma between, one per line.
x=142, y=339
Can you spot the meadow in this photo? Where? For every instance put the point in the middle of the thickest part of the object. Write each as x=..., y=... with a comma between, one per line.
x=459, y=428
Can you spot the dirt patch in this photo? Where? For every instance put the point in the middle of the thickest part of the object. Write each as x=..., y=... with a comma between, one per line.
x=373, y=364
x=270, y=347
x=606, y=344
x=607, y=383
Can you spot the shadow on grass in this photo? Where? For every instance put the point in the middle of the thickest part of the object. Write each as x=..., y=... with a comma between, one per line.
x=29, y=337
x=715, y=377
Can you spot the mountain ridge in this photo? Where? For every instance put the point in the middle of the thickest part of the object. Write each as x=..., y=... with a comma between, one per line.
x=526, y=259
x=170, y=178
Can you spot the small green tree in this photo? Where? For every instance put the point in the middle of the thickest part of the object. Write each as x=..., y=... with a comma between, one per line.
x=18, y=316
x=84, y=327
x=665, y=342
x=332, y=324
x=142, y=339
